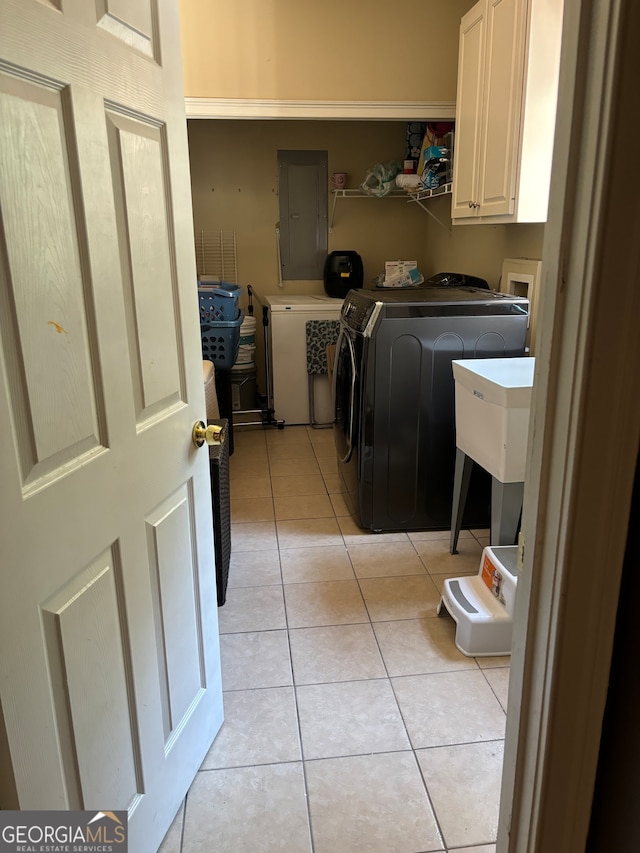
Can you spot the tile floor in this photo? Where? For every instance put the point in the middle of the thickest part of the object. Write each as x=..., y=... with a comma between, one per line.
x=352, y=723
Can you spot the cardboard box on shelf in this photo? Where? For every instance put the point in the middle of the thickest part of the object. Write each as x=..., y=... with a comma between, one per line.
x=401, y=274
x=394, y=268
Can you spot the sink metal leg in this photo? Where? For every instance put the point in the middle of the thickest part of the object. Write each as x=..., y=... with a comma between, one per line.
x=461, y=478
x=506, y=506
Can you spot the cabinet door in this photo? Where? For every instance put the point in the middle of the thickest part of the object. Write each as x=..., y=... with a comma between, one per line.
x=468, y=112
x=504, y=64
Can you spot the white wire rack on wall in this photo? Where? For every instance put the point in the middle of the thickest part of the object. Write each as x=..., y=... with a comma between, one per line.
x=216, y=255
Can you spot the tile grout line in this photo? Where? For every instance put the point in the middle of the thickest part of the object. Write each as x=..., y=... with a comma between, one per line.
x=413, y=750
x=293, y=682
x=390, y=683
x=345, y=545
x=297, y=709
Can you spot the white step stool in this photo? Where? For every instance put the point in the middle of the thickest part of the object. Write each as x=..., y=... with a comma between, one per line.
x=482, y=605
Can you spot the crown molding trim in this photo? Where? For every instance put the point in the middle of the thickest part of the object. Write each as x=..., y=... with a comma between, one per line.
x=246, y=108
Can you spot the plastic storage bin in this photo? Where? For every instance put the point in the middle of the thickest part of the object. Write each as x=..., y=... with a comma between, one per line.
x=243, y=387
x=219, y=301
x=247, y=349
x=220, y=342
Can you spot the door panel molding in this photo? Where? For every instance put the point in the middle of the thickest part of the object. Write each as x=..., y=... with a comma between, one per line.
x=87, y=614
x=138, y=159
x=131, y=21
x=178, y=627
x=47, y=292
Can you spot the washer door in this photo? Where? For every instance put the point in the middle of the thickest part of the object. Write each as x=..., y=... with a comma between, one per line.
x=344, y=395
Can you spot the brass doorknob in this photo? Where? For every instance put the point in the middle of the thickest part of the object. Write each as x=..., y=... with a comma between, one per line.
x=207, y=434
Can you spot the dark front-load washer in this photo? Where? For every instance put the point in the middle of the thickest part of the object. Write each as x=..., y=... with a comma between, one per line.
x=394, y=399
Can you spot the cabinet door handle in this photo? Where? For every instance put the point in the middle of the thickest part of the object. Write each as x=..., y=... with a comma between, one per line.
x=470, y=204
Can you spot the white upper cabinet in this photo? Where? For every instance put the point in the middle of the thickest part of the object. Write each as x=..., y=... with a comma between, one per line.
x=505, y=111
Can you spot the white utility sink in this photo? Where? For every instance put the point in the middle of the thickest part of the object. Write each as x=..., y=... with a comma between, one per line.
x=493, y=398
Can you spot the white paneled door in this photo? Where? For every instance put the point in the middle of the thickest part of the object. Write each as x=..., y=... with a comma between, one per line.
x=109, y=659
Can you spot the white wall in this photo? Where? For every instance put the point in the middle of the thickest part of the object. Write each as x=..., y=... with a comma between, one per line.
x=372, y=50
x=360, y=50
x=477, y=249
x=235, y=188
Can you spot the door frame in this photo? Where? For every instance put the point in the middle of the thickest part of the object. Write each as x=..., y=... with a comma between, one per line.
x=583, y=451
x=583, y=438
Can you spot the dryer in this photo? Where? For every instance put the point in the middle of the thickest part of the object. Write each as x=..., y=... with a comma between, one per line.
x=394, y=398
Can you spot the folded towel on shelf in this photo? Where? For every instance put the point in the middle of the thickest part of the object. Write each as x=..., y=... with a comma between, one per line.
x=408, y=182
